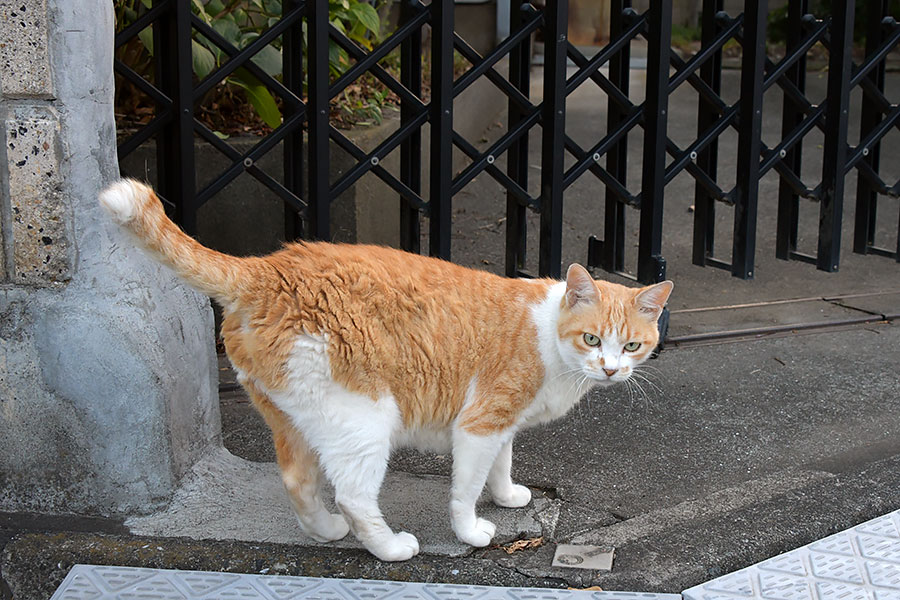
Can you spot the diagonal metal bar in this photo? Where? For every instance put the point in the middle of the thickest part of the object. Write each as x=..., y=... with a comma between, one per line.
x=415, y=103
x=776, y=154
x=143, y=134
x=496, y=149
x=585, y=159
x=698, y=84
x=236, y=157
x=141, y=23
x=401, y=188
x=370, y=160
x=775, y=72
x=613, y=185
x=470, y=54
x=689, y=68
x=253, y=155
x=879, y=55
x=686, y=156
x=494, y=56
x=872, y=138
x=237, y=60
x=612, y=91
x=142, y=84
x=521, y=195
x=372, y=58
x=604, y=55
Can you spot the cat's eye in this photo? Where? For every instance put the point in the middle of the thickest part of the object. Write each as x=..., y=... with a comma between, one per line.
x=632, y=346
x=591, y=340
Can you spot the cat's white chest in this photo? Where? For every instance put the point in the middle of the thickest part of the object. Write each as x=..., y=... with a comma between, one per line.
x=554, y=399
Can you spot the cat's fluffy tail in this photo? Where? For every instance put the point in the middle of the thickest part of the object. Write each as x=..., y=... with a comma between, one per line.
x=135, y=207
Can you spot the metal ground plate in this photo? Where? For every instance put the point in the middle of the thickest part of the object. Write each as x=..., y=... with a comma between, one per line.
x=861, y=563
x=92, y=582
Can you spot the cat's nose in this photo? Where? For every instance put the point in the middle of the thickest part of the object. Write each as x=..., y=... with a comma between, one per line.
x=610, y=372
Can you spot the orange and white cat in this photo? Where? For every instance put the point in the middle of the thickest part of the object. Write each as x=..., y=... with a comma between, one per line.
x=349, y=351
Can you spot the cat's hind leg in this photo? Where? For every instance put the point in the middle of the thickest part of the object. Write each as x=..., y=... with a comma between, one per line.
x=354, y=445
x=300, y=474
x=503, y=491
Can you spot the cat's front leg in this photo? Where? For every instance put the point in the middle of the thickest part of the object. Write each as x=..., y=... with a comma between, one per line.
x=503, y=491
x=473, y=456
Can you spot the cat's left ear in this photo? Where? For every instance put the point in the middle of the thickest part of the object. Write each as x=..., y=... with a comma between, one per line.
x=651, y=300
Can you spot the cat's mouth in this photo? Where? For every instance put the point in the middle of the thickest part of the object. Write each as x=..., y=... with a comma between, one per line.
x=602, y=379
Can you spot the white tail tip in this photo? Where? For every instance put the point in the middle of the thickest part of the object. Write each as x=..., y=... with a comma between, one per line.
x=122, y=198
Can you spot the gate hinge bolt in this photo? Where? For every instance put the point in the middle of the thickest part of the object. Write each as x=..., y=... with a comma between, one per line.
x=248, y=162
x=490, y=159
x=596, y=157
x=693, y=155
x=782, y=153
x=865, y=151
x=374, y=161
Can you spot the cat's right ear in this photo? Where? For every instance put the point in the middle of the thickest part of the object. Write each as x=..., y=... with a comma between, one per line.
x=580, y=287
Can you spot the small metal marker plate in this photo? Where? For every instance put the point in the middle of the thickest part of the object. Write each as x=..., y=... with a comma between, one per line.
x=597, y=558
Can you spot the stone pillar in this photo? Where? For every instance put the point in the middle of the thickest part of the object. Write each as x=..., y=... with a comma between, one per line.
x=108, y=375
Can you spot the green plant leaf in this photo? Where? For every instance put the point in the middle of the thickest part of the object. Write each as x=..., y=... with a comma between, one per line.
x=365, y=14
x=258, y=96
x=201, y=10
x=269, y=60
x=214, y=7
x=148, y=4
x=146, y=37
x=202, y=60
x=228, y=29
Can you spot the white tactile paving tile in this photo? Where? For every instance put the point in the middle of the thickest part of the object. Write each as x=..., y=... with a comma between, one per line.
x=91, y=582
x=861, y=563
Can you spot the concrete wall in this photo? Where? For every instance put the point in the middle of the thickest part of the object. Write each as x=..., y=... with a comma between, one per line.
x=107, y=364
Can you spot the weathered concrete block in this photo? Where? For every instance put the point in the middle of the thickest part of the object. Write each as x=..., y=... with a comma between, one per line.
x=24, y=51
x=39, y=231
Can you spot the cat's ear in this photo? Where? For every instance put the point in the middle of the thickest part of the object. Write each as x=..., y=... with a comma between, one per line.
x=580, y=287
x=651, y=300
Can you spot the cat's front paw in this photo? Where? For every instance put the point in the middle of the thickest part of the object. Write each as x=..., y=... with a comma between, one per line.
x=516, y=496
x=400, y=546
x=478, y=535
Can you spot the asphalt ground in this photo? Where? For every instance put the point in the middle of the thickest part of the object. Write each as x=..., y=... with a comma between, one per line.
x=734, y=451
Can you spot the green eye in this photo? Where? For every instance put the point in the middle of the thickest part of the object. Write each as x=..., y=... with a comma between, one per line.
x=591, y=340
x=632, y=346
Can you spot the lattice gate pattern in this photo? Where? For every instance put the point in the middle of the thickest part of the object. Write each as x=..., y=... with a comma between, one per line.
x=307, y=134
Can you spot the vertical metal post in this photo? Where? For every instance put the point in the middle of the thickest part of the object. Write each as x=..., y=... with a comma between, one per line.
x=553, y=124
x=517, y=155
x=792, y=115
x=835, y=152
x=708, y=158
x=292, y=69
x=441, y=117
x=651, y=265
x=870, y=117
x=747, y=189
x=613, y=252
x=175, y=147
x=318, y=153
x=411, y=147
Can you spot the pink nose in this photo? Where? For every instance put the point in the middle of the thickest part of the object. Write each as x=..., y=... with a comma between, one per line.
x=610, y=372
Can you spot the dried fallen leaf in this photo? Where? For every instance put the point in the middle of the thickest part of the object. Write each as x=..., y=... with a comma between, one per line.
x=523, y=545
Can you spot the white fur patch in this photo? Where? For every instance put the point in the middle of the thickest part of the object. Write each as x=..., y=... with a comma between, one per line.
x=564, y=384
x=121, y=200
